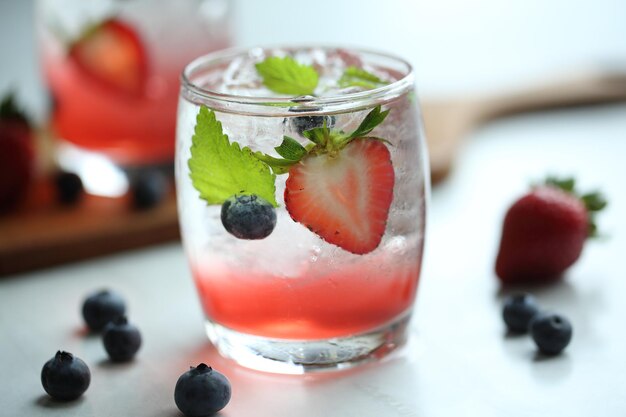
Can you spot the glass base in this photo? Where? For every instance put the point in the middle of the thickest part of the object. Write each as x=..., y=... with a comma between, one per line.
x=301, y=356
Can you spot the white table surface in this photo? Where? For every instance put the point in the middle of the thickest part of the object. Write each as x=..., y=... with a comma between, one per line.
x=459, y=361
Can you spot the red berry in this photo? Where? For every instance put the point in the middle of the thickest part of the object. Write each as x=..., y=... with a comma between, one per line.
x=344, y=197
x=543, y=234
x=112, y=55
x=16, y=163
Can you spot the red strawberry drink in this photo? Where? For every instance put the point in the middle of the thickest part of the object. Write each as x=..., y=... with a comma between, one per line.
x=113, y=70
x=302, y=181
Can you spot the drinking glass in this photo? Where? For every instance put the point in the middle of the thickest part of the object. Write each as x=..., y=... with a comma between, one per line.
x=334, y=282
x=112, y=69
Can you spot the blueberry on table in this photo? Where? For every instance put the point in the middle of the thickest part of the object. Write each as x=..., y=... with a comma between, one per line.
x=551, y=332
x=121, y=339
x=148, y=189
x=201, y=391
x=65, y=377
x=518, y=311
x=102, y=307
x=248, y=217
x=69, y=187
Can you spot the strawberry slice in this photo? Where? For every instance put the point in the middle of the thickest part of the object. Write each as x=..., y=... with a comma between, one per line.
x=112, y=55
x=344, y=197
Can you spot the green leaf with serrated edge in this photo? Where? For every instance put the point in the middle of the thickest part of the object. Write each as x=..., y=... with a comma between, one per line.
x=373, y=119
x=220, y=169
x=291, y=149
x=286, y=76
x=357, y=77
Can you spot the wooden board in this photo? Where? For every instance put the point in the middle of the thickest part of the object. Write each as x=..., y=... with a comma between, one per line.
x=43, y=233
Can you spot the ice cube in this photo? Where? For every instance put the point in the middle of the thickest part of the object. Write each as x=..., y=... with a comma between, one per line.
x=241, y=77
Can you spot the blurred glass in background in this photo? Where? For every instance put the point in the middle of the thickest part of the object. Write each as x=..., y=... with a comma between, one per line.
x=112, y=70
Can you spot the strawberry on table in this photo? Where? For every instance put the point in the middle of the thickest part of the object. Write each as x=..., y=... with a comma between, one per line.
x=544, y=232
x=16, y=154
x=112, y=55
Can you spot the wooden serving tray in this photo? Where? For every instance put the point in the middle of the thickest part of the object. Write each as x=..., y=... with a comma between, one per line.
x=44, y=233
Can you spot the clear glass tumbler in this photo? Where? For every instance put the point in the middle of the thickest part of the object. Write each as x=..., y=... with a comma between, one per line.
x=302, y=215
x=112, y=68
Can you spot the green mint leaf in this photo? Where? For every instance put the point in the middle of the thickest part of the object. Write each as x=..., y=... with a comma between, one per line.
x=357, y=77
x=291, y=149
x=220, y=169
x=292, y=152
x=373, y=119
x=286, y=76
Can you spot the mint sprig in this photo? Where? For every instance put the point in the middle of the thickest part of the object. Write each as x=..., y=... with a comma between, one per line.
x=291, y=151
x=358, y=77
x=324, y=141
x=287, y=76
x=220, y=169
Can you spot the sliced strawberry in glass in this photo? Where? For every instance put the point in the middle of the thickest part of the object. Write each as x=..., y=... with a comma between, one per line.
x=344, y=198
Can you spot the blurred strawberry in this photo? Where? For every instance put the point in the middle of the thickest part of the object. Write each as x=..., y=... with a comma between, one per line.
x=16, y=154
x=112, y=55
x=544, y=232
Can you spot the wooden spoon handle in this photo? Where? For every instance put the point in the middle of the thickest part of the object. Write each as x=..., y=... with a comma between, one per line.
x=576, y=90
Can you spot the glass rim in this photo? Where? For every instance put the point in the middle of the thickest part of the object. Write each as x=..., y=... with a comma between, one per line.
x=355, y=99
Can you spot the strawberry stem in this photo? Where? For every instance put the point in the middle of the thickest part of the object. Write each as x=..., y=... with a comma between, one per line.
x=593, y=201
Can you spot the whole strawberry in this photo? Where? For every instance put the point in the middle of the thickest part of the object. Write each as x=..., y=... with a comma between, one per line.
x=16, y=154
x=544, y=232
